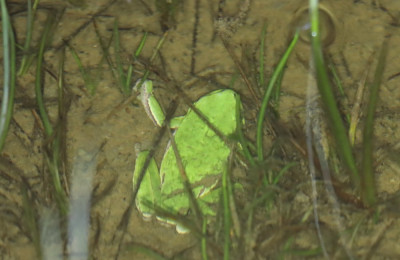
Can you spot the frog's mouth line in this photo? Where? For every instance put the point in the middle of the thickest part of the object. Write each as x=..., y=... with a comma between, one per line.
x=209, y=183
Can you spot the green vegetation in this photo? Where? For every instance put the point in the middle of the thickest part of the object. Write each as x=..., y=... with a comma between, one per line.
x=363, y=179
x=275, y=76
x=9, y=76
x=28, y=55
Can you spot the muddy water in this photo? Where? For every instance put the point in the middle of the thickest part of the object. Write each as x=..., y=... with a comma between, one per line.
x=194, y=56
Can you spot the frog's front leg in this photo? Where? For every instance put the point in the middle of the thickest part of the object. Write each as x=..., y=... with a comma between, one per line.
x=153, y=109
x=149, y=193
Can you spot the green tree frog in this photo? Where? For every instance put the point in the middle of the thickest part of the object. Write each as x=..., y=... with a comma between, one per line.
x=204, y=155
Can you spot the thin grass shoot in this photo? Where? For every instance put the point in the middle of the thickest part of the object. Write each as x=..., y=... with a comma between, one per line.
x=9, y=74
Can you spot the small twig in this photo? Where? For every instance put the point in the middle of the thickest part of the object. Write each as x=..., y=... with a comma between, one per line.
x=186, y=182
x=241, y=71
x=123, y=224
x=355, y=111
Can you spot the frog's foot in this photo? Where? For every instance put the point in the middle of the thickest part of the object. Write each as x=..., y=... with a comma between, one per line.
x=146, y=216
x=179, y=227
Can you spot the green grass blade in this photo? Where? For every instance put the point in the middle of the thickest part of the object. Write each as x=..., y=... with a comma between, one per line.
x=336, y=78
x=105, y=46
x=30, y=217
x=158, y=47
x=128, y=77
x=368, y=192
x=204, y=240
x=282, y=171
x=339, y=85
x=120, y=67
x=325, y=90
x=89, y=82
x=129, y=72
x=227, y=212
x=59, y=144
x=153, y=56
x=240, y=135
x=276, y=96
x=141, y=45
x=27, y=58
x=38, y=81
x=53, y=158
x=7, y=103
x=261, y=58
x=267, y=95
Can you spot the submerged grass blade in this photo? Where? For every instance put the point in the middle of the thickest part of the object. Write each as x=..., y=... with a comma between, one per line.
x=118, y=61
x=59, y=194
x=328, y=98
x=355, y=113
x=89, y=82
x=227, y=212
x=125, y=77
x=276, y=94
x=27, y=58
x=278, y=70
x=141, y=45
x=261, y=58
x=339, y=85
x=59, y=143
x=38, y=81
x=204, y=240
x=240, y=135
x=283, y=171
x=153, y=56
x=105, y=46
x=368, y=192
x=7, y=103
x=30, y=217
x=129, y=72
x=53, y=157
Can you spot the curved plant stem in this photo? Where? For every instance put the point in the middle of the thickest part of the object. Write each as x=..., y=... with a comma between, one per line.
x=7, y=103
x=27, y=58
x=38, y=81
x=268, y=92
x=328, y=98
x=227, y=213
x=368, y=193
x=261, y=58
